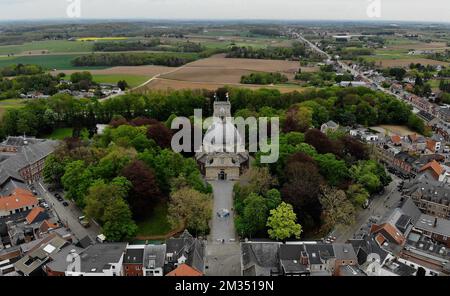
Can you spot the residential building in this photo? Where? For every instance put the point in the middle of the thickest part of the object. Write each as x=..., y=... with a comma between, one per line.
x=185, y=249
x=61, y=262
x=154, y=257
x=430, y=196
x=260, y=258
x=27, y=162
x=19, y=201
x=34, y=260
x=133, y=261
x=104, y=259
x=185, y=270
x=436, y=228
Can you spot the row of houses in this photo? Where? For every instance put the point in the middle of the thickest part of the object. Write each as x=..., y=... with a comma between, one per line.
x=405, y=242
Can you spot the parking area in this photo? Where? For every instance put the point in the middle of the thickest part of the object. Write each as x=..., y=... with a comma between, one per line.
x=66, y=211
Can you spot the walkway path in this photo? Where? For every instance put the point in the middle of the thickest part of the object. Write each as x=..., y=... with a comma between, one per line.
x=223, y=257
x=222, y=228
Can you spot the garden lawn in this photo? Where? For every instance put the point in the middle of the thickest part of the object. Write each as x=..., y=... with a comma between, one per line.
x=10, y=104
x=157, y=224
x=60, y=134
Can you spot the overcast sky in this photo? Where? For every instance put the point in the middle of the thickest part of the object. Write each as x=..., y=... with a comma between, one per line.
x=406, y=10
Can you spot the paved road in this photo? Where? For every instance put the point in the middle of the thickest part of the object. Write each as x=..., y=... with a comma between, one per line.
x=223, y=258
x=68, y=215
x=222, y=228
x=379, y=207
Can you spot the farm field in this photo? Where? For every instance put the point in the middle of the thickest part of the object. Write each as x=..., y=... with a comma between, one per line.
x=386, y=62
x=166, y=84
x=50, y=46
x=132, y=80
x=10, y=104
x=101, y=39
x=218, y=71
x=45, y=61
x=148, y=71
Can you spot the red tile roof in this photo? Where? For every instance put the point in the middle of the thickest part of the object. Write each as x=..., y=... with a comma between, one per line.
x=435, y=167
x=33, y=214
x=389, y=230
x=185, y=270
x=18, y=199
x=46, y=225
x=396, y=139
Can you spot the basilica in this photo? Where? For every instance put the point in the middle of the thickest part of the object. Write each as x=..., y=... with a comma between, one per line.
x=223, y=155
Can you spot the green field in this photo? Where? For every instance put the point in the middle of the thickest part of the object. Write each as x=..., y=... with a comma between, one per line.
x=60, y=62
x=60, y=134
x=132, y=80
x=157, y=224
x=52, y=46
x=11, y=104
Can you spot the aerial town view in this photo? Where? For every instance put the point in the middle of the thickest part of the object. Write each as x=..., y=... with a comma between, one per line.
x=168, y=139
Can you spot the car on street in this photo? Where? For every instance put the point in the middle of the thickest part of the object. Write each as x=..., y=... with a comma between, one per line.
x=66, y=204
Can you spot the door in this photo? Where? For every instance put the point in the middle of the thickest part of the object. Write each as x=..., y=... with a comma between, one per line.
x=222, y=176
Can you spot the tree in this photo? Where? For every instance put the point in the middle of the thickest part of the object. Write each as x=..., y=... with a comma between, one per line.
x=118, y=224
x=191, y=209
x=145, y=193
x=76, y=180
x=336, y=207
x=273, y=199
x=254, y=216
x=259, y=180
x=357, y=194
x=160, y=134
x=282, y=223
x=122, y=84
x=53, y=170
x=302, y=190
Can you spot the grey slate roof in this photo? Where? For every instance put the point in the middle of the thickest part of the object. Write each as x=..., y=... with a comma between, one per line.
x=344, y=252
x=431, y=190
x=59, y=261
x=9, y=168
x=154, y=255
x=98, y=257
x=134, y=256
x=365, y=246
x=427, y=223
x=260, y=258
x=188, y=246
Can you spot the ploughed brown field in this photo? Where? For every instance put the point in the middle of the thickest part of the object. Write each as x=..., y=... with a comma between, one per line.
x=420, y=46
x=167, y=84
x=219, y=69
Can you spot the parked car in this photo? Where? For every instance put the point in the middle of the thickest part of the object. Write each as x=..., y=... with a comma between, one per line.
x=66, y=204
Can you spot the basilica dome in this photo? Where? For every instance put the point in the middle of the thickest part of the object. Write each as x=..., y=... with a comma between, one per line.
x=222, y=136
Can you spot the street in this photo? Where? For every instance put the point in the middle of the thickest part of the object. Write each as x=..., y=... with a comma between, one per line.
x=68, y=215
x=379, y=207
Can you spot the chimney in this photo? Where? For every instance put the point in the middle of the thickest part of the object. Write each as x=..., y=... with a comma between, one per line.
x=304, y=259
x=435, y=222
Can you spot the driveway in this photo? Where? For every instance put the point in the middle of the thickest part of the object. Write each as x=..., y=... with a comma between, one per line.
x=68, y=215
x=222, y=228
